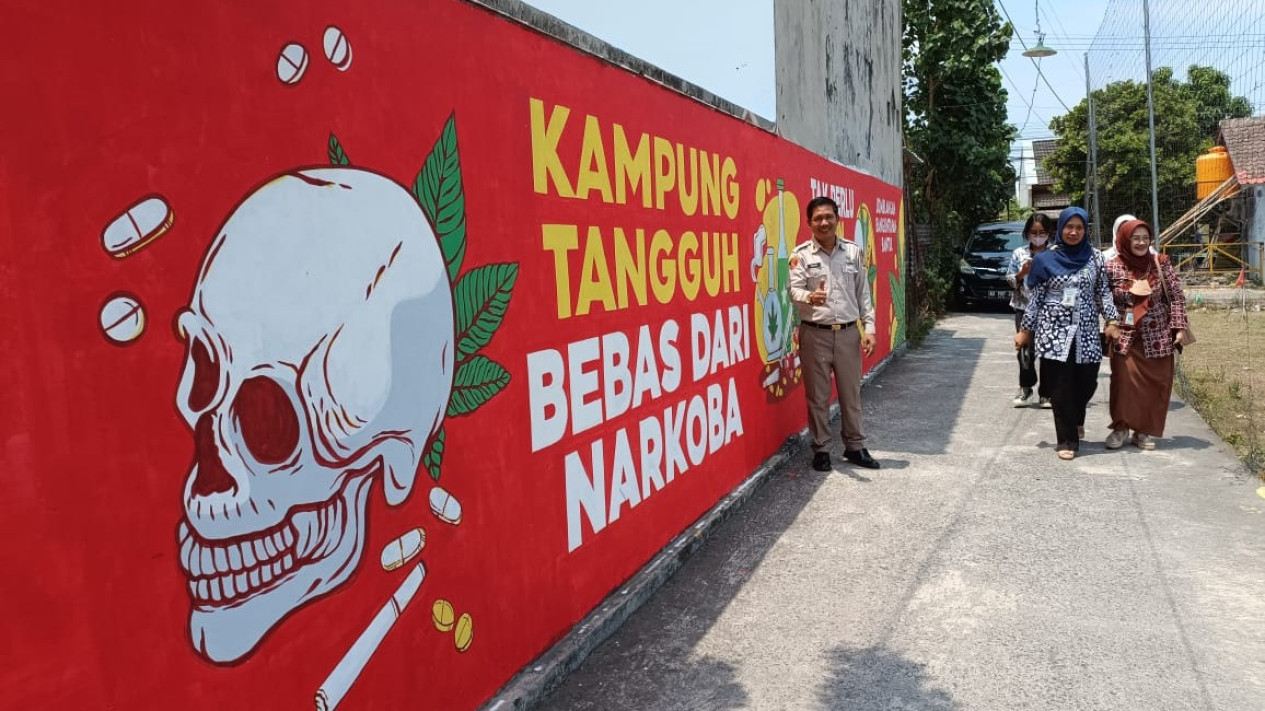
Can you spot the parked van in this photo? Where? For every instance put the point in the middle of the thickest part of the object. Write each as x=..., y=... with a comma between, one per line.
x=981, y=275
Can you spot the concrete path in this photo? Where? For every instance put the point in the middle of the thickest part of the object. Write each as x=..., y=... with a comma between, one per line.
x=973, y=571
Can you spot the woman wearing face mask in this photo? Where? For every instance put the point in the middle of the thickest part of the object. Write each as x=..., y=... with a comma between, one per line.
x=1037, y=230
x=1149, y=295
x=1068, y=290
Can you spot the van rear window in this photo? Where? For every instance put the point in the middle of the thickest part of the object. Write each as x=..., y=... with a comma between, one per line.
x=997, y=241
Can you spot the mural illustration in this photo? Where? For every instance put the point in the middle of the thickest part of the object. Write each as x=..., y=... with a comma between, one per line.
x=323, y=353
x=863, y=235
x=320, y=358
x=896, y=281
x=775, y=315
x=331, y=466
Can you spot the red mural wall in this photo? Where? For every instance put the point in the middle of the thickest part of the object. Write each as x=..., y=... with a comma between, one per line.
x=360, y=349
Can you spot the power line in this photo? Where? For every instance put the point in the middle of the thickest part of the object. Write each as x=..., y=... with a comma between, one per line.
x=1019, y=93
x=1030, y=100
x=1067, y=56
x=1035, y=63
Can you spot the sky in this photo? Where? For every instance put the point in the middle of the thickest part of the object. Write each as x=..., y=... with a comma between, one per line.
x=726, y=46
x=1068, y=26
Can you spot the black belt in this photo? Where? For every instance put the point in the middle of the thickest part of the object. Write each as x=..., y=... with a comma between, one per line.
x=830, y=326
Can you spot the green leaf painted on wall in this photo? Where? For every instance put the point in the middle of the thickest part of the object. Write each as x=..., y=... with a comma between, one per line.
x=337, y=156
x=477, y=381
x=481, y=297
x=439, y=191
x=435, y=455
x=898, y=306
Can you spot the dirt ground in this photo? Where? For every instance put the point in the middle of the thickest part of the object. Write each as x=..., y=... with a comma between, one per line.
x=1223, y=376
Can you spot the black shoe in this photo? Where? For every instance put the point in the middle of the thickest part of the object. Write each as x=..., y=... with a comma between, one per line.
x=821, y=462
x=861, y=458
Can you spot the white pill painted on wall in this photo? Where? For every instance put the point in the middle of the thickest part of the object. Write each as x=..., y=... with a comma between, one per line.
x=122, y=319
x=292, y=63
x=139, y=225
x=445, y=506
x=403, y=549
x=337, y=48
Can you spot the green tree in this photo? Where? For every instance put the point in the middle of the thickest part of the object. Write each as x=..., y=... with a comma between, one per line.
x=1186, y=118
x=1210, y=90
x=955, y=122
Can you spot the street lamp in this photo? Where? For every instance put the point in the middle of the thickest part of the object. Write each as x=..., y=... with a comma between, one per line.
x=1039, y=50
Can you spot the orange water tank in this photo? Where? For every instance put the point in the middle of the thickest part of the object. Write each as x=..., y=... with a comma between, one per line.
x=1212, y=169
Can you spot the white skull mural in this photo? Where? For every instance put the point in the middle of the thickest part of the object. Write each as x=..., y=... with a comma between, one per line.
x=320, y=359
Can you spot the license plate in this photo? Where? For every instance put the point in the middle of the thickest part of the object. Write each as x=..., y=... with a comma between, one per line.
x=999, y=294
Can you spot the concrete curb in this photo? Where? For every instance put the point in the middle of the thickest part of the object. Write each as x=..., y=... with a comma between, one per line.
x=547, y=672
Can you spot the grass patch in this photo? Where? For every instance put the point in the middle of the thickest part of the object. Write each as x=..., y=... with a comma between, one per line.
x=919, y=329
x=1223, y=377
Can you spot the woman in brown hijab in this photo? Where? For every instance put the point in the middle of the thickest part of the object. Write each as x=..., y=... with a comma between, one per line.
x=1152, y=309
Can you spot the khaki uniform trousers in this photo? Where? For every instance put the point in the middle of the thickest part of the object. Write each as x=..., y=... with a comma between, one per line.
x=825, y=352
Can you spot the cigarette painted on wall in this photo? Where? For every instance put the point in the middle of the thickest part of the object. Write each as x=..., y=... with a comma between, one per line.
x=339, y=681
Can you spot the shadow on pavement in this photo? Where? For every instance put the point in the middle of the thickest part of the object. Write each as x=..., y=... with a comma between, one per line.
x=1096, y=445
x=1183, y=442
x=855, y=475
x=651, y=662
x=922, y=422
x=877, y=678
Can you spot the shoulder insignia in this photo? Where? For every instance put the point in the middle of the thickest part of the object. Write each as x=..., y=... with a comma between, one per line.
x=794, y=262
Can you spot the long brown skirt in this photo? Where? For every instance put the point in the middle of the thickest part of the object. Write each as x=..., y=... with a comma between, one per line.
x=1140, y=390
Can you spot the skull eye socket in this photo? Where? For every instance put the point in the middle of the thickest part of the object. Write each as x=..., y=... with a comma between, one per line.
x=267, y=420
x=206, y=377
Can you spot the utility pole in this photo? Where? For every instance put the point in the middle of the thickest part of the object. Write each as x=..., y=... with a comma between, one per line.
x=1156, y=227
x=1095, y=206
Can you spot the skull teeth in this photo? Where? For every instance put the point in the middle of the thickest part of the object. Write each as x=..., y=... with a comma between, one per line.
x=206, y=557
x=248, y=555
x=222, y=572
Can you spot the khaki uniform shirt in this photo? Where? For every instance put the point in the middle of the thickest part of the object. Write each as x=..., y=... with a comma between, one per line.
x=847, y=286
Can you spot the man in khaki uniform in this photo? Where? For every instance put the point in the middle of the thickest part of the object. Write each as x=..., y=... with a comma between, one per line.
x=829, y=287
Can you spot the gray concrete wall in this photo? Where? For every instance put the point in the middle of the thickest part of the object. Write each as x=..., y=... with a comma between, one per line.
x=839, y=80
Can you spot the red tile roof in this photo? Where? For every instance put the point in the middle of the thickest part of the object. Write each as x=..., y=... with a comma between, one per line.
x=1245, y=140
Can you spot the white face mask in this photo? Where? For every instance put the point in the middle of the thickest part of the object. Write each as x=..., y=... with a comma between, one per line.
x=1038, y=241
